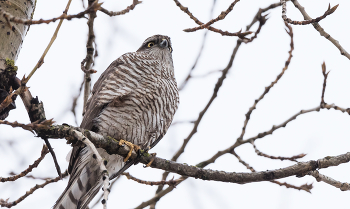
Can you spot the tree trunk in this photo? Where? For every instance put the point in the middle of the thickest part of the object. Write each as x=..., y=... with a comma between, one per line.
x=11, y=39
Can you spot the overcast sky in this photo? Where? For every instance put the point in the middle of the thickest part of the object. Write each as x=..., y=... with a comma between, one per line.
x=318, y=134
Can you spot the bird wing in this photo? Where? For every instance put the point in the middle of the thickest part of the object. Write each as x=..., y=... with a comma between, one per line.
x=105, y=91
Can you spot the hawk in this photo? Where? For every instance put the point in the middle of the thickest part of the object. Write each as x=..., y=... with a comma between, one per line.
x=134, y=99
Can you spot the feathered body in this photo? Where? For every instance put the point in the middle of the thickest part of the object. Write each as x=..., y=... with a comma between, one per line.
x=135, y=99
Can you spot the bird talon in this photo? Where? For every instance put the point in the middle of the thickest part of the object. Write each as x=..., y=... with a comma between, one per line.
x=151, y=161
x=130, y=145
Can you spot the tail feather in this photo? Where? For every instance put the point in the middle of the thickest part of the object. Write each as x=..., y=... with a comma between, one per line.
x=86, y=178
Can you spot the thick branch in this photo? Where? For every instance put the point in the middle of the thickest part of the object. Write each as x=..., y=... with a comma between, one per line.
x=112, y=147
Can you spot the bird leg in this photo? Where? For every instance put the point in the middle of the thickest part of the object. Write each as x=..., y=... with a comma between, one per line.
x=152, y=159
x=131, y=146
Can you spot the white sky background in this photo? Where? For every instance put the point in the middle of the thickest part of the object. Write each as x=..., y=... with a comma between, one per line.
x=318, y=134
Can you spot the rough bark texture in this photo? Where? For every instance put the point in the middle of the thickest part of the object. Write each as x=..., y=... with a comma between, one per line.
x=11, y=39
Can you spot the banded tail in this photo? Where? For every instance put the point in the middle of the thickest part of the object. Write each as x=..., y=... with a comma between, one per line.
x=85, y=178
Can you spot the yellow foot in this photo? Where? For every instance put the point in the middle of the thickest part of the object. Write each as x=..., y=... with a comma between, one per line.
x=150, y=162
x=131, y=146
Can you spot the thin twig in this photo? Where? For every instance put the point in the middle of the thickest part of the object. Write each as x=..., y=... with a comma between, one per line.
x=188, y=77
x=181, y=122
x=75, y=101
x=305, y=187
x=320, y=177
x=124, y=11
x=306, y=22
x=31, y=126
x=224, y=33
x=160, y=194
x=322, y=32
x=325, y=76
x=206, y=74
x=267, y=89
x=220, y=17
x=44, y=151
x=5, y=203
x=10, y=18
x=171, y=182
x=293, y=158
x=54, y=36
x=262, y=20
x=282, y=125
x=89, y=59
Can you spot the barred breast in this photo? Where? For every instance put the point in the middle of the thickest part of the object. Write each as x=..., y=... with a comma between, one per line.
x=149, y=99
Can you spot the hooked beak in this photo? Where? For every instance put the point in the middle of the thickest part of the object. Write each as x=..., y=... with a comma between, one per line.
x=164, y=43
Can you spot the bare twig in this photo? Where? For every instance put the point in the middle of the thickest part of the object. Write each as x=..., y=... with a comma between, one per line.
x=171, y=182
x=5, y=203
x=10, y=18
x=305, y=187
x=325, y=75
x=263, y=134
x=124, y=11
x=306, y=22
x=160, y=194
x=267, y=89
x=54, y=36
x=262, y=20
x=188, y=77
x=74, y=103
x=333, y=106
x=224, y=33
x=320, y=177
x=322, y=32
x=220, y=17
x=31, y=126
x=89, y=60
x=214, y=95
x=181, y=122
x=293, y=158
x=44, y=151
x=206, y=74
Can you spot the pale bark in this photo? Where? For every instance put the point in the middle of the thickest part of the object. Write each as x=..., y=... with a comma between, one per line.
x=12, y=36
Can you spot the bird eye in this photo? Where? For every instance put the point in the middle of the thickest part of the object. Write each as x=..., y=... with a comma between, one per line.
x=170, y=49
x=150, y=44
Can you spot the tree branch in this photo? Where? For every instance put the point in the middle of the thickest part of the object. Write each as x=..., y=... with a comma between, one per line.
x=124, y=11
x=44, y=151
x=224, y=33
x=320, y=177
x=5, y=203
x=306, y=22
x=321, y=30
x=220, y=17
x=293, y=158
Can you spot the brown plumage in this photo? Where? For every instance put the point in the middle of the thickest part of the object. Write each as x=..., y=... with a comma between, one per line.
x=135, y=99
